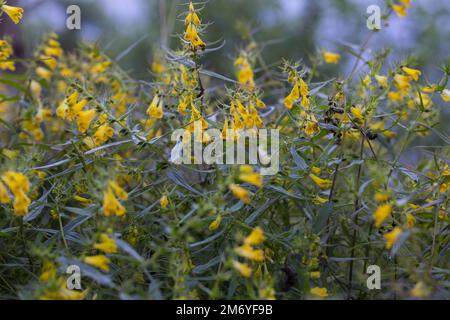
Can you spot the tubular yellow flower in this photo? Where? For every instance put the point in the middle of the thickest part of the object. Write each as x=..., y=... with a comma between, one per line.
x=357, y=113
x=103, y=133
x=44, y=73
x=321, y=183
x=99, y=261
x=120, y=193
x=392, y=236
x=382, y=213
x=250, y=253
x=255, y=238
x=111, y=206
x=319, y=292
x=311, y=127
x=292, y=97
x=382, y=80
x=15, y=13
x=402, y=82
x=106, y=244
x=164, y=202
x=192, y=16
x=395, y=96
x=413, y=73
x=399, y=10
x=240, y=193
x=155, y=109
x=252, y=178
x=243, y=268
x=331, y=58
x=410, y=220
x=215, y=224
x=84, y=119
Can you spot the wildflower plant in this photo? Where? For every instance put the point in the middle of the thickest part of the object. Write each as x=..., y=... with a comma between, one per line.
x=87, y=179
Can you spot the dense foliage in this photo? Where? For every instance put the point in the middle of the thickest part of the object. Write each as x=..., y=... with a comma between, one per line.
x=88, y=178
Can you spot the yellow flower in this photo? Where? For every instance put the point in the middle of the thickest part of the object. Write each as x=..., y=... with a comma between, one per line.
x=192, y=36
x=445, y=95
x=292, y=97
x=399, y=10
x=413, y=73
x=16, y=182
x=244, y=269
x=15, y=13
x=192, y=16
x=382, y=80
x=395, y=96
x=255, y=238
x=48, y=271
x=382, y=196
x=240, y=192
x=120, y=193
x=249, y=252
x=99, y=261
x=44, y=73
x=402, y=82
x=321, y=183
x=111, y=206
x=382, y=213
x=103, y=133
x=319, y=200
x=357, y=113
x=331, y=57
x=316, y=170
x=410, y=220
x=155, y=109
x=164, y=201
x=36, y=89
x=420, y=290
x=4, y=197
x=215, y=224
x=311, y=128
x=106, y=244
x=84, y=119
x=253, y=178
x=392, y=236
x=245, y=73
x=319, y=292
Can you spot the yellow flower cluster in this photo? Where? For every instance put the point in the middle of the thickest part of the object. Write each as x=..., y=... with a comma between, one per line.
x=247, y=250
x=112, y=206
x=245, y=72
x=18, y=185
x=6, y=51
x=192, y=22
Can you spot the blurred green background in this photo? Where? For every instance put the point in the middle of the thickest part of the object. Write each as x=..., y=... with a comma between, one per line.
x=294, y=29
